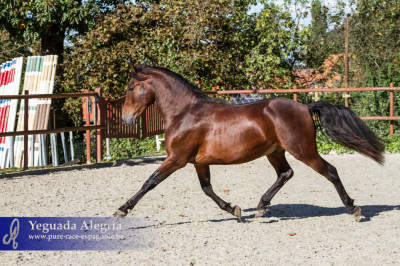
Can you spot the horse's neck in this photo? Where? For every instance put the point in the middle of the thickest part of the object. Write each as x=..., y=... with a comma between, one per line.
x=174, y=102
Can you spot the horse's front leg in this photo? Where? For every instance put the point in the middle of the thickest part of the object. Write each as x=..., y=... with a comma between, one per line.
x=169, y=166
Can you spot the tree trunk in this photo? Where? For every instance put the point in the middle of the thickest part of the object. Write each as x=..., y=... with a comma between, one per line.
x=52, y=43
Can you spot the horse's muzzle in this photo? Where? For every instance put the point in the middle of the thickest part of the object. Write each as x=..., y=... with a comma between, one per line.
x=129, y=121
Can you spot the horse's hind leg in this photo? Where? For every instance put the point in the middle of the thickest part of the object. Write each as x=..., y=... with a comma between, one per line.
x=284, y=172
x=203, y=172
x=329, y=171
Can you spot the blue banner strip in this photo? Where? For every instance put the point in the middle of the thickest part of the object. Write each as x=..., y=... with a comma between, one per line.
x=73, y=233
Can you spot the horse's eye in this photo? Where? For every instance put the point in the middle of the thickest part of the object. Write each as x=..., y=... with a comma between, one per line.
x=131, y=89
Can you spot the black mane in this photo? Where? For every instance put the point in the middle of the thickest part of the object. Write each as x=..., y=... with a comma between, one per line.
x=197, y=91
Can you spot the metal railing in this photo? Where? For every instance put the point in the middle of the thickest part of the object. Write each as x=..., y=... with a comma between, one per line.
x=99, y=126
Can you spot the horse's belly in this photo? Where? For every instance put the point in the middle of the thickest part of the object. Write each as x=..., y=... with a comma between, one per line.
x=235, y=140
x=232, y=154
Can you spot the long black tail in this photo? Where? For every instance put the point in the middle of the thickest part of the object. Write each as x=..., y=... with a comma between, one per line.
x=347, y=129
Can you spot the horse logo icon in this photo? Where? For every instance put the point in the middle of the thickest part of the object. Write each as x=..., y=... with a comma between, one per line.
x=14, y=230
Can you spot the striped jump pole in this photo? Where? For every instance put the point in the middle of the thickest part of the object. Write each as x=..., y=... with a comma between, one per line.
x=10, y=80
x=43, y=105
x=33, y=103
x=39, y=79
x=30, y=83
x=19, y=140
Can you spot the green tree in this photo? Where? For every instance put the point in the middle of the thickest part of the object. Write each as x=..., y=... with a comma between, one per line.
x=374, y=40
x=318, y=49
x=50, y=22
x=214, y=42
x=10, y=49
x=375, y=35
x=277, y=49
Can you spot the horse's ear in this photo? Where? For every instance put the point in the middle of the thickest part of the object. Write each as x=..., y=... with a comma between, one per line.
x=133, y=68
x=135, y=74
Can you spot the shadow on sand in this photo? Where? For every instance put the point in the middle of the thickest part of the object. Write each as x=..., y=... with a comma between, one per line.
x=302, y=211
x=289, y=212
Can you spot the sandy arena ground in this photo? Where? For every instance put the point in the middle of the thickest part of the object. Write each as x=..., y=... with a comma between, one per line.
x=186, y=227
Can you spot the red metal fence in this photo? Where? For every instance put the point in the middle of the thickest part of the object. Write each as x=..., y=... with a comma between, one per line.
x=110, y=116
x=149, y=124
x=115, y=126
x=152, y=123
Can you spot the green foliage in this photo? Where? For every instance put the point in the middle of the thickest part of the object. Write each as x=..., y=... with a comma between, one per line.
x=325, y=145
x=10, y=170
x=317, y=43
x=9, y=49
x=374, y=36
x=73, y=109
x=216, y=43
x=375, y=32
x=278, y=47
x=130, y=148
x=326, y=33
x=393, y=143
x=50, y=22
x=375, y=104
x=212, y=43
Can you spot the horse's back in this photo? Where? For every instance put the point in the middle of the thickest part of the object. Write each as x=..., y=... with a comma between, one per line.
x=285, y=109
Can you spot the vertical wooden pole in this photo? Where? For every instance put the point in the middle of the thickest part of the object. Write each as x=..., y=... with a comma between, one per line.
x=391, y=102
x=295, y=94
x=99, y=132
x=143, y=120
x=346, y=62
x=26, y=121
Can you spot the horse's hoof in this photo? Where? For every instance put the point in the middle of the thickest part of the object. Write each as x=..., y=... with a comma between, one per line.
x=120, y=214
x=260, y=212
x=357, y=214
x=237, y=211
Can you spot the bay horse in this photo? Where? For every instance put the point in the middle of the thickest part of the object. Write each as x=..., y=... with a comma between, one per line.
x=204, y=131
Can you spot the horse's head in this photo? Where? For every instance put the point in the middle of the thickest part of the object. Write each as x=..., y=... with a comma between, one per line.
x=139, y=96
